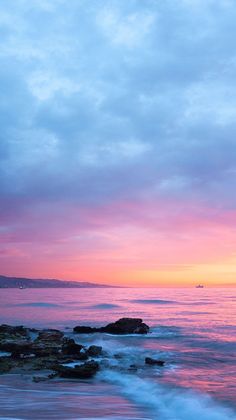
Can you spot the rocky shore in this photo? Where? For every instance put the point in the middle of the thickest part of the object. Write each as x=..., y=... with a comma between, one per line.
x=49, y=353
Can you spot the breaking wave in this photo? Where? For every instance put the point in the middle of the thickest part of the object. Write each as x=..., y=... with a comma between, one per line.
x=166, y=403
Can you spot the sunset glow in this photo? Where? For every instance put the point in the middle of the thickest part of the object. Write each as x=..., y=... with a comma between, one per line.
x=118, y=147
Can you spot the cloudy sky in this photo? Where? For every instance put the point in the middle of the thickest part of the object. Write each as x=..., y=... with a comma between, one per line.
x=118, y=140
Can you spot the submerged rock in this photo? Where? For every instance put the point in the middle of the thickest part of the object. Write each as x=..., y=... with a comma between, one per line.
x=5, y=364
x=122, y=326
x=94, y=351
x=37, y=379
x=150, y=361
x=84, y=371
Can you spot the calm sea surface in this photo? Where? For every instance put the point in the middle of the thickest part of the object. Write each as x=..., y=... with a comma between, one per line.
x=193, y=330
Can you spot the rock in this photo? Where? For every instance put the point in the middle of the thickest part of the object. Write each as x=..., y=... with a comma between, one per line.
x=150, y=361
x=54, y=336
x=127, y=326
x=12, y=337
x=5, y=365
x=133, y=368
x=13, y=331
x=48, y=343
x=19, y=350
x=37, y=379
x=43, y=363
x=94, y=351
x=44, y=351
x=15, y=346
x=85, y=330
x=84, y=371
x=70, y=347
x=122, y=326
x=118, y=356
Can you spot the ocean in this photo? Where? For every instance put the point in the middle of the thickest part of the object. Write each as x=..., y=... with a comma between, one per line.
x=193, y=330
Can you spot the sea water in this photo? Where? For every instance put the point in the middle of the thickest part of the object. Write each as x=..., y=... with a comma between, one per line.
x=193, y=330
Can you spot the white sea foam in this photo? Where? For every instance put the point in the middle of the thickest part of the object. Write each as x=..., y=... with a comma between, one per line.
x=165, y=403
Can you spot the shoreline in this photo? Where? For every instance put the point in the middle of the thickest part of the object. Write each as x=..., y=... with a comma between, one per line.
x=53, y=353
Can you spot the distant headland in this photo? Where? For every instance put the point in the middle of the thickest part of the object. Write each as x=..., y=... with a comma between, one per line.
x=27, y=283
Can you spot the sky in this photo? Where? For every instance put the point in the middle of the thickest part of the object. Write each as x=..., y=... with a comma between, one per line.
x=118, y=141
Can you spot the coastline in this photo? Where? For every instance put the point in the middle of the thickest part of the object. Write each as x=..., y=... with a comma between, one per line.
x=49, y=356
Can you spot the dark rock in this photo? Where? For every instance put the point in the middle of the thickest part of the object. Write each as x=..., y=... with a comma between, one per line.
x=94, y=351
x=15, y=346
x=150, y=361
x=10, y=330
x=85, y=330
x=54, y=336
x=19, y=350
x=5, y=365
x=48, y=343
x=12, y=337
x=118, y=356
x=70, y=347
x=44, y=363
x=122, y=326
x=43, y=351
x=133, y=368
x=127, y=326
x=84, y=371
x=37, y=379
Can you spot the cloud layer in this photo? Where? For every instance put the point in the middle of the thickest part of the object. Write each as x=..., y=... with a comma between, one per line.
x=117, y=145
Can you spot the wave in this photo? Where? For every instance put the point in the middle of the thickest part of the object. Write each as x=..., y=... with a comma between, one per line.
x=121, y=356
x=104, y=306
x=38, y=304
x=166, y=403
x=154, y=301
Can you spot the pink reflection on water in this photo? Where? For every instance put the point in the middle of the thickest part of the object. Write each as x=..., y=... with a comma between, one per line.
x=193, y=330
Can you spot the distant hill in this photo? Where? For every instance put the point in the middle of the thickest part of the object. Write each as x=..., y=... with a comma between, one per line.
x=21, y=282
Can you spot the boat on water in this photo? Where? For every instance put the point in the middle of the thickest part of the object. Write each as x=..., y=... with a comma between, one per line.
x=199, y=286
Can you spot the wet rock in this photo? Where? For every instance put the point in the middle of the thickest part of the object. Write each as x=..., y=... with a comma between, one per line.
x=122, y=326
x=85, y=330
x=8, y=330
x=37, y=379
x=50, y=336
x=133, y=368
x=70, y=347
x=150, y=361
x=5, y=365
x=127, y=326
x=94, y=351
x=44, y=351
x=19, y=350
x=12, y=337
x=118, y=356
x=14, y=346
x=48, y=343
x=85, y=371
